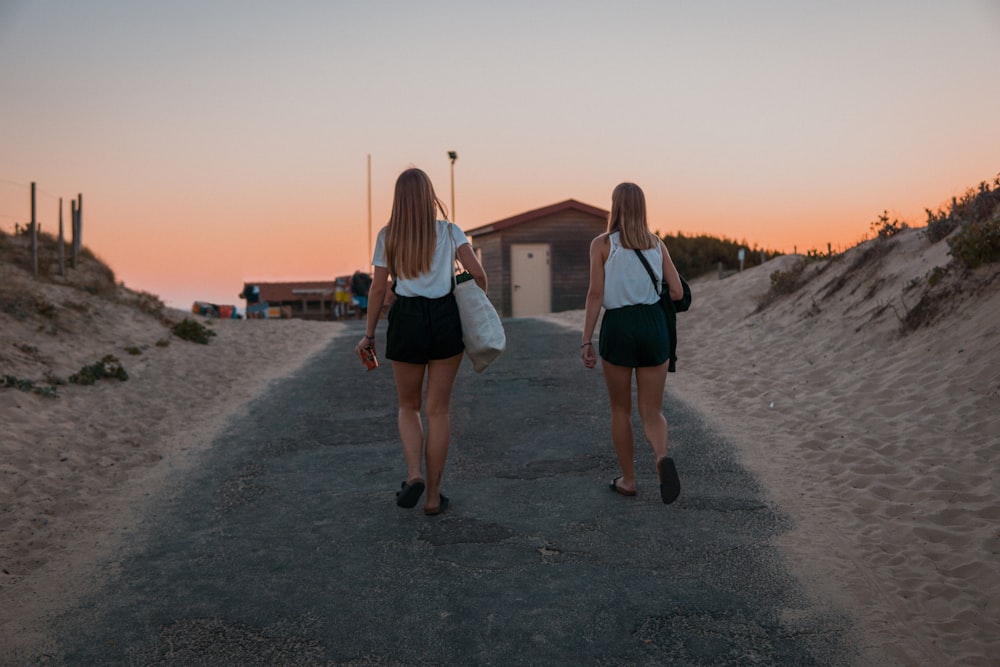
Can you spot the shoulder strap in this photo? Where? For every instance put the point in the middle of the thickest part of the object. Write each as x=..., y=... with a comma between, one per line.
x=649, y=269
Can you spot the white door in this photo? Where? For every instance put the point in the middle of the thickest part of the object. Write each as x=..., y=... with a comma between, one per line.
x=530, y=279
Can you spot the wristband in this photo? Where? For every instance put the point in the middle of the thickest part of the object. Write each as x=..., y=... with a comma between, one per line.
x=369, y=337
x=586, y=344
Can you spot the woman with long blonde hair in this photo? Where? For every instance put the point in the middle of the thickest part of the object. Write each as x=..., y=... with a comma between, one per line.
x=634, y=336
x=424, y=338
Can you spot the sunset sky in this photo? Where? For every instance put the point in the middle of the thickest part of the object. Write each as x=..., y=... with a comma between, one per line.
x=217, y=142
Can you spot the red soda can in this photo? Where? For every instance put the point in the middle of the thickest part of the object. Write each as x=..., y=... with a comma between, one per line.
x=369, y=358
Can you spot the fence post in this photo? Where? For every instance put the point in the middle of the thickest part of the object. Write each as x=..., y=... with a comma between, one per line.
x=34, y=234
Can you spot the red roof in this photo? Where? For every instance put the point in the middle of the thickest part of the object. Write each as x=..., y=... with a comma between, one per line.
x=568, y=205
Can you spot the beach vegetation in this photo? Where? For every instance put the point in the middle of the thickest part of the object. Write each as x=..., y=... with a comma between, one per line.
x=929, y=307
x=30, y=386
x=53, y=379
x=785, y=282
x=703, y=254
x=976, y=243
x=886, y=229
x=109, y=368
x=192, y=331
x=133, y=350
x=163, y=342
x=936, y=275
x=976, y=205
x=150, y=304
x=91, y=275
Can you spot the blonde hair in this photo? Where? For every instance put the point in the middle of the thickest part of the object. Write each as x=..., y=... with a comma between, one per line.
x=628, y=217
x=411, y=235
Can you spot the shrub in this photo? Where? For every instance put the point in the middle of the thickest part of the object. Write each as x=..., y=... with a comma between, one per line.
x=786, y=282
x=886, y=229
x=936, y=275
x=939, y=225
x=28, y=386
x=150, y=304
x=192, y=331
x=109, y=367
x=977, y=243
x=977, y=205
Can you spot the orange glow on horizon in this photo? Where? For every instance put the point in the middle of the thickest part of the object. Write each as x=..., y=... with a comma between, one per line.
x=204, y=250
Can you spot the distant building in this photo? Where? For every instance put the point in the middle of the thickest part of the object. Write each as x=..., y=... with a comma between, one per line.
x=313, y=300
x=539, y=262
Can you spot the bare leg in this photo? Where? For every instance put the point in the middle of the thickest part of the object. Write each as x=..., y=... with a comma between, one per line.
x=440, y=382
x=409, y=390
x=619, y=382
x=650, y=381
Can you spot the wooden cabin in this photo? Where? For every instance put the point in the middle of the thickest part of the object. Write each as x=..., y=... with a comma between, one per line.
x=538, y=262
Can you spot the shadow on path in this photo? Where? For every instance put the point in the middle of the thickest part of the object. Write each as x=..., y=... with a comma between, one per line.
x=284, y=545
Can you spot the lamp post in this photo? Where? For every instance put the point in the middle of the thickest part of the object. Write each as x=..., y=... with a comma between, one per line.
x=369, y=210
x=452, y=155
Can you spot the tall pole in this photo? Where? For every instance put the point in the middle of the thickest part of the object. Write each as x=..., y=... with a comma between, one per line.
x=452, y=155
x=34, y=234
x=79, y=222
x=75, y=232
x=369, y=208
x=62, y=240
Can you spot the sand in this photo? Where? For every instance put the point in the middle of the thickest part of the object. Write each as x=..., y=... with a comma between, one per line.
x=879, y=439
x=882, y=445
x=75, y=470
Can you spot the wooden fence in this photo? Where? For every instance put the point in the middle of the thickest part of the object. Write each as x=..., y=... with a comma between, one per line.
x=76, y=226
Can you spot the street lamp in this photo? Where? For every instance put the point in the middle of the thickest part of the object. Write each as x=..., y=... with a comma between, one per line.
x=452, y=155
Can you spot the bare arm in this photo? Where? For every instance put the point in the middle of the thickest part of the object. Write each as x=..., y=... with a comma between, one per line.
x=376, y=298
x=670, y=275
x=471, y=263
x=599, y=248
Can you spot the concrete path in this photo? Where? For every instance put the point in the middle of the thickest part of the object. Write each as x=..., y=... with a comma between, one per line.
x=284, y=546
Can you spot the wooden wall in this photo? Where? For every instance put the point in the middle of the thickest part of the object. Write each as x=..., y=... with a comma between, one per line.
x=568, y=234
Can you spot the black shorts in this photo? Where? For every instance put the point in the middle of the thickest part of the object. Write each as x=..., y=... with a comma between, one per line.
x=635, y=336
x=421, y=329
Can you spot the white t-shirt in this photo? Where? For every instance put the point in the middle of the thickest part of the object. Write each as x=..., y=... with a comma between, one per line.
x=436, y=282
x=626, y=281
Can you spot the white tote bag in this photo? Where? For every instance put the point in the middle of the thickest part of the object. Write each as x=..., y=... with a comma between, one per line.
x=482, y=330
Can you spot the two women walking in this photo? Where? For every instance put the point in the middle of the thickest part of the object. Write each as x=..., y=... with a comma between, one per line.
x=424, y=338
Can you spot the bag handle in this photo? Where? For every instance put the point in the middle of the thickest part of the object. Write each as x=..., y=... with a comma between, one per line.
x=459, y=274
x=649, y=269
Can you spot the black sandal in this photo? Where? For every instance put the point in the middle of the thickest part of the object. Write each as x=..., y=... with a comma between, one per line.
x=440, y=508
x=670, y=483
x=618, y=489
x=409, y=494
